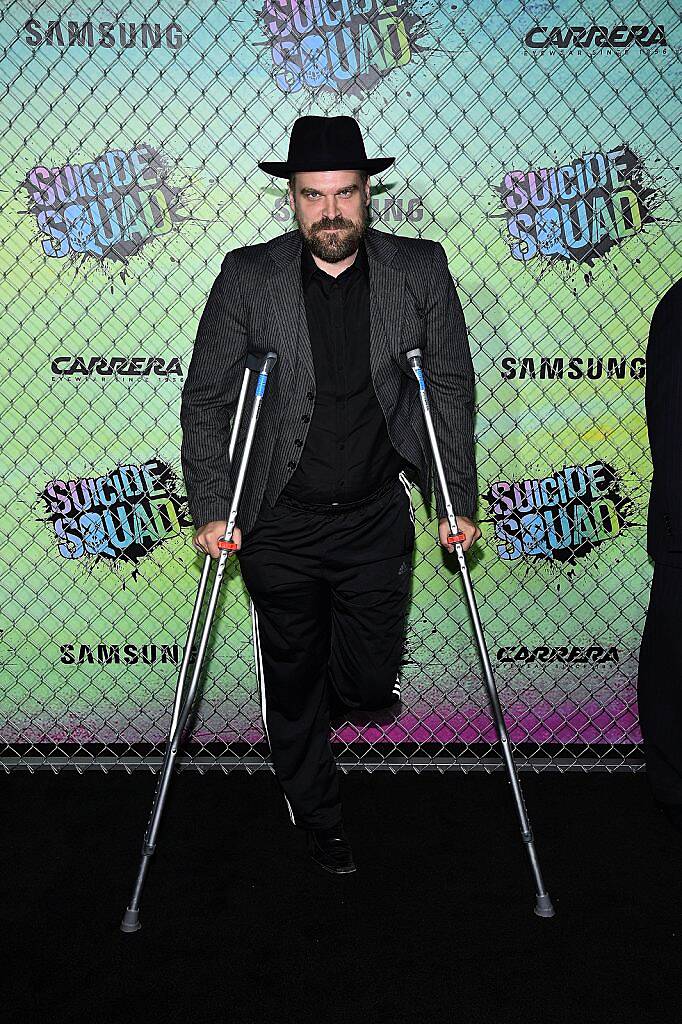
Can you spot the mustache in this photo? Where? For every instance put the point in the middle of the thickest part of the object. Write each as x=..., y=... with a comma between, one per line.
x=322, y=227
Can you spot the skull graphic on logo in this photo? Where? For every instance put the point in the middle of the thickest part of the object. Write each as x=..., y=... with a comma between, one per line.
x=314, y=60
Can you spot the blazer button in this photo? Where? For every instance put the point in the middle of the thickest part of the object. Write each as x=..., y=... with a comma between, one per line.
x=298, y=442
x=310, y=395
x=306, y=419
x=291, y=465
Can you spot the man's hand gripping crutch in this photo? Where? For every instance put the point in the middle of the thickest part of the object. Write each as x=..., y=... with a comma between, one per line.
x=455, y=536
x=184, y=698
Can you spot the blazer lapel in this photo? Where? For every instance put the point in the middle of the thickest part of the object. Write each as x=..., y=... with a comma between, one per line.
x=386, y=292
x=288, y=304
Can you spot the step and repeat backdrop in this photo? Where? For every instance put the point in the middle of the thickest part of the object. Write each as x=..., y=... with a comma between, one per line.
x=538, y=141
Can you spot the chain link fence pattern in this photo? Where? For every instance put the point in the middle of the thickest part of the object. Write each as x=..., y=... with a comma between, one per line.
x=540, y=143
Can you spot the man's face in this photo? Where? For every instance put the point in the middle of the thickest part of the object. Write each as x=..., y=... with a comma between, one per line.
x=333, y=200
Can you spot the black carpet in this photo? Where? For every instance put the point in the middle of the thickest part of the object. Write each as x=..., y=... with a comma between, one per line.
x=436, y=925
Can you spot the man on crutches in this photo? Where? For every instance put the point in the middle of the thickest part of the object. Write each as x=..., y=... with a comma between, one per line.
x=364, y=324
x=325, y=530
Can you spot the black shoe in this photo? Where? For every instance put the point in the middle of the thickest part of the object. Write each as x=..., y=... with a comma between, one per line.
x=329, y=847
x=673, y=813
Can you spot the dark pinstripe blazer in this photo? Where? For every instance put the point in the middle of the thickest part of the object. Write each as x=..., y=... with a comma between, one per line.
x=256, y=303
x=663, y=399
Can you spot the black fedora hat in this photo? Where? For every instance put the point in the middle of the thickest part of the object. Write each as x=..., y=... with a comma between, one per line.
x=326, y=144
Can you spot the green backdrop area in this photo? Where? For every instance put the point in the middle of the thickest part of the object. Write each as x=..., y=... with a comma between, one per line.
x=539, y=142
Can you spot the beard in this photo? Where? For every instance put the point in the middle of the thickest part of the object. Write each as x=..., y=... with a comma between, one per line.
x=341, y=242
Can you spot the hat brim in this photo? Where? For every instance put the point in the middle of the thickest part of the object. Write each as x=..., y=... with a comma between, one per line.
x=283, y=170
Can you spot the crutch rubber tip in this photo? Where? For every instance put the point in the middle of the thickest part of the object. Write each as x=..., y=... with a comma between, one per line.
x=543, y=906
x=131, y=921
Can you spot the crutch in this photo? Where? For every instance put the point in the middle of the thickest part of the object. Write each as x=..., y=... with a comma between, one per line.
x=543, y=904
x=183, y=701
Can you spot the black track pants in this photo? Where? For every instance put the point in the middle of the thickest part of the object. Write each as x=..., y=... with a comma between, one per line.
x=329, y=593
x=659, y=684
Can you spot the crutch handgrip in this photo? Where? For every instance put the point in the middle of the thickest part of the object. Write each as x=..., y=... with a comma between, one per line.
x=227, y=545
x=456, y=538
x=254, y=360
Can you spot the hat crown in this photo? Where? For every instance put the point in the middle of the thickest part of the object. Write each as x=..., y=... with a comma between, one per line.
x=324, y=139
x=321, y=143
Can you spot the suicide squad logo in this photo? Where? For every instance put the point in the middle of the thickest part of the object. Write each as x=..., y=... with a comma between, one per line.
x=579, y=211
x=118, y=517
x=574, y=368
x=339, y=46
x=108, y=208
x=115, y=366
x=560, y=517
x=595, y=37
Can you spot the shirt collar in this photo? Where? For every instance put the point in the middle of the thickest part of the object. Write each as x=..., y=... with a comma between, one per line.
x=309, y=267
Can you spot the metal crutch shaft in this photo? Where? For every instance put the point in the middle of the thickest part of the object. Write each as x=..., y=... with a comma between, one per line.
x=253, y=362
x=543, y=903
x=183, y=701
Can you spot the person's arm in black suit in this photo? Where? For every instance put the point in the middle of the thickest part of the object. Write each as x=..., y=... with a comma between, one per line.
x=663, y=400
x=209, y=398
x=449, y=375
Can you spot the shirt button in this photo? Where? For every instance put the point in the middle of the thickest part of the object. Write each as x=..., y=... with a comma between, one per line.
x=342, y=446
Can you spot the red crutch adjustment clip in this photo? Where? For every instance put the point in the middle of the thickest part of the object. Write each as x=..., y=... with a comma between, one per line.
x=454, y=538
x=227, y=545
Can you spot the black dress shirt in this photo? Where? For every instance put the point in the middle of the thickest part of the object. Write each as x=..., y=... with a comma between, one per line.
x=347, y=453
